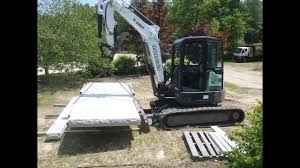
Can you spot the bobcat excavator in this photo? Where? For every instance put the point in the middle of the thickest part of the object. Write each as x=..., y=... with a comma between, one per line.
x=191, y=93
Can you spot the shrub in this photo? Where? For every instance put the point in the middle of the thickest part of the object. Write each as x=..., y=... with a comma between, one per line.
x=249, y=153
x=168, y=64
x=143, y=67
x=93, y=67
x=123, y=65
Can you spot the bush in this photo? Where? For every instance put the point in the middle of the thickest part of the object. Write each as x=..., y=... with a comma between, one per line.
x=93, y=67
x=168, y=64
x=249, y=153
x=123, y=65
x=142, y=69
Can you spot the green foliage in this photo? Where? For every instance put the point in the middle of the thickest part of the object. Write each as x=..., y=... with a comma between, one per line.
x=250, y=140
x=67, y=35
x=215, y=26
x=142, y=69
x=123, y=65
x=235, y=26
x=184, y=13
x=219, y=18
x=253, y=17
x=155, y=11
x=179, y=15
x=93, y=67
x=168, y=64
x=122, y=25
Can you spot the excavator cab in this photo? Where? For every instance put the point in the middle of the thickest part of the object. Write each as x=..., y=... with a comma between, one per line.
x=197, y=71
x=195, y=86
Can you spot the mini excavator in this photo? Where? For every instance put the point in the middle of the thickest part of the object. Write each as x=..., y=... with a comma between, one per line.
x=191, y=93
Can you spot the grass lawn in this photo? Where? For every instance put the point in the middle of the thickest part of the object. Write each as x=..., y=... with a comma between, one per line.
x=154, y=149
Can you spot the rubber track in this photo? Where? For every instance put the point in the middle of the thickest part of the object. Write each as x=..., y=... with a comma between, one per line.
x=172, y=111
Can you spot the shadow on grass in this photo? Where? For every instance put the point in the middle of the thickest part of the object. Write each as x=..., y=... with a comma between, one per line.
x=61, y=82
x=94, y=142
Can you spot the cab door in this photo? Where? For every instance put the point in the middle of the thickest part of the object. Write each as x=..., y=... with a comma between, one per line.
x=215, y=66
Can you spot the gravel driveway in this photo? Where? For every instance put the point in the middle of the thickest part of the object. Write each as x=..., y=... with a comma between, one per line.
x=243, y=77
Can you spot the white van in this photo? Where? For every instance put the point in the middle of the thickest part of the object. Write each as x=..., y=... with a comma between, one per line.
x=242, y=54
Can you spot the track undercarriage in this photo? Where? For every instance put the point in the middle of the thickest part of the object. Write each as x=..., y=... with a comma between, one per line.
x=172, y=116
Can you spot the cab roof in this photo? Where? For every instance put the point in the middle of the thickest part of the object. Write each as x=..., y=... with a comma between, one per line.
x=181, y=41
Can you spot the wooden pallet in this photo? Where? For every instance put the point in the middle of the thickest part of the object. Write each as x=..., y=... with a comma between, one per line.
x=205, y=145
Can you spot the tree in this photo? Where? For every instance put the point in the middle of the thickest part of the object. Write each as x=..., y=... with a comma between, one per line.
x=253, y=17
x=156, y=12
x=235, y=26
x=136, y=43
x=67, y=35
x=49, y=49
x=218, y=18
x=122, y=25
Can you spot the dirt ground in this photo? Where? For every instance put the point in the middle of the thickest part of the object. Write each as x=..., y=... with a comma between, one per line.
x=248, y=79
x=243, y=77
x=134, y=149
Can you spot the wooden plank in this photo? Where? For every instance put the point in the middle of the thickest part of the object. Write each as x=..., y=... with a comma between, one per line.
x=216, y=149
x=59, y=105
x=67, y=110
x=200, y=144
x=218, y=130
x=223, y=134
x=57, y=129
x=51, y=116
x=191, y=144
x=131, y=88
x=217, y=142
x=222, y=141
x=232, y=144
x=211, y=151
x=85, y=87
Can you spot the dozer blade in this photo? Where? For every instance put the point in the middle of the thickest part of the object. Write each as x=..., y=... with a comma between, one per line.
x=200, y=116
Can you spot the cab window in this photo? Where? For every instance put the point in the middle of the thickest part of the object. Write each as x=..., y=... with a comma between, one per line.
x=215, y=54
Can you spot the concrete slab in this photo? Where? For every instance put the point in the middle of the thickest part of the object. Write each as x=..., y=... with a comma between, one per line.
x=104, y=105
x=101, y=89
x=58, y=127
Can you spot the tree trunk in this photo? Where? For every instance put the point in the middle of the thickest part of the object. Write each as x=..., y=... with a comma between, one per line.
x=46, y=75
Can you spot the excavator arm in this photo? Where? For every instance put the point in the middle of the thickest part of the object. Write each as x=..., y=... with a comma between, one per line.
x=147, y=29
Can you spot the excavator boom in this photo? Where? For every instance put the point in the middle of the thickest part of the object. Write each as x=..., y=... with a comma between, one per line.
x=147, y=29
